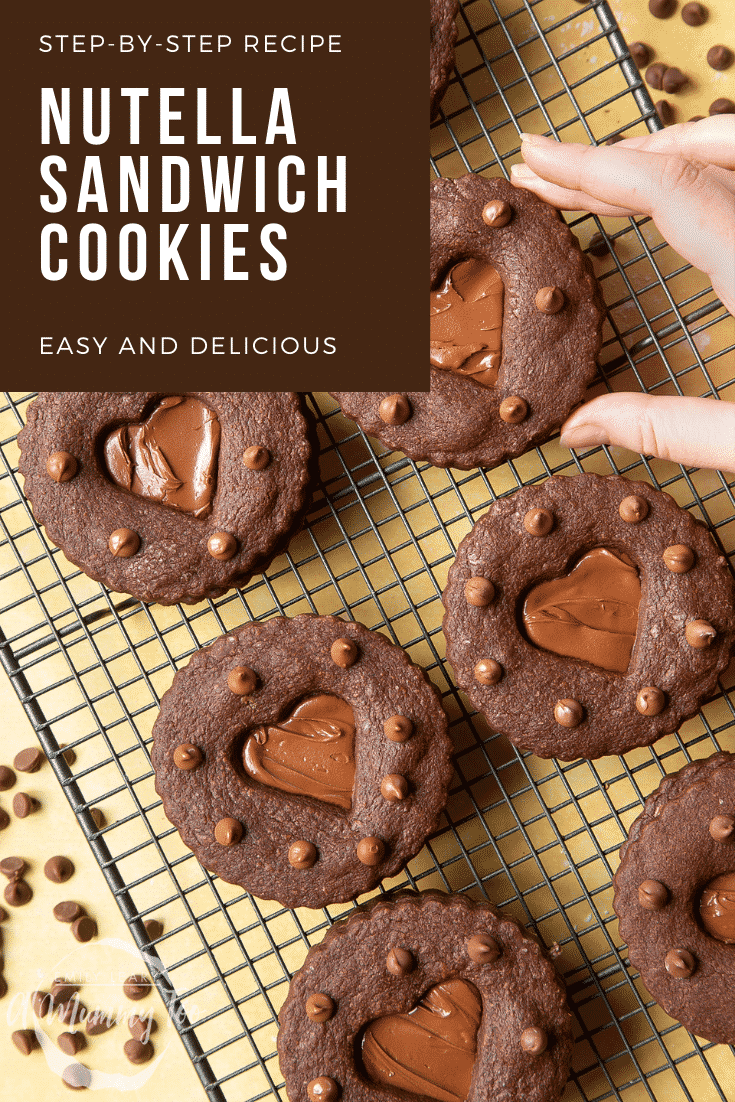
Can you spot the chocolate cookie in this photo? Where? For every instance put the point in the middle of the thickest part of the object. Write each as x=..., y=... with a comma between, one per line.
x=427, y=994
x=675, y=896
x=587, y=615
x=303, y=759
x=168, y=498
x=516, y=316
x=442, y=36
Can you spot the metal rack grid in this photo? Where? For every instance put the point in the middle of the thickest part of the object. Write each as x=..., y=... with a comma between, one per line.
x=538, y=838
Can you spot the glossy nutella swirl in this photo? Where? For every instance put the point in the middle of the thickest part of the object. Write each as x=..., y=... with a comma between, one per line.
x=311, y=752
x=430, y=1050
x=591, y=613
x=170, y=457
x=717, y=908
x=466, y=322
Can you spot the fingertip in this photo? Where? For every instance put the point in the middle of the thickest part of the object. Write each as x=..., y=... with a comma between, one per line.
x=583, y=436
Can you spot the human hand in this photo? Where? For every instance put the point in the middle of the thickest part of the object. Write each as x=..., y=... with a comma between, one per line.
x=684, y=179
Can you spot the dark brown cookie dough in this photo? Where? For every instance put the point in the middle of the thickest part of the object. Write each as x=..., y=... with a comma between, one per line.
x=443, y=35
x=675, y=896
x=588, y=615
x=168, y=498
x=488, y=1008
x=544, y=307
x=303, y=759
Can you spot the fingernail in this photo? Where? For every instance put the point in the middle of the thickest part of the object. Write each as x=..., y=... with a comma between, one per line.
x=521, y=172
x=533, y=139
x=584, y=436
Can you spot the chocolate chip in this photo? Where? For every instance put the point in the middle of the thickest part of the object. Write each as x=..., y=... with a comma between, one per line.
x=71, y=1043
x=13, y=867
x=61, y=466
x=680, y=963
x=40, y=1003
x=187, y=756
x=84, y=928
x=68, y=911
x=655, y=75
x=62, y=990
x=674, y=80
x=76, y=1077
x=696, y=118
x=24, y=805
x=30, y=760
x=72, y=1012
x=138, y=1052
x=222, y=546
x=513, y=409
x=98, y=1022
x=99, y=817
x=124, y=543
x=497, y=213
x=694, y=15
x=69, y=755
x=228, y=831
x=302, y=854
x=142, y=1027
x=722, y=106
x=614, y=139
x=549, y=300
x=58, y=869
x=3, y=914
x=665, y=111
x=598, y=246
x=662, y=9
x=370, y=851
x=640, y=53
x=534, y=1040
x=319, y=1007
x=24, y=1040
x=719, y=57
x=7, y=778
x=344, y=653
x=400, y=962
x=4, y=818
x=136, y=987
x=538, y=522
x=395, y=409
x=18, y=893
x=653, y=895
x=483, y=949
x=568, y=713
x=487, y=671
x=153, y=928
x=256, y=458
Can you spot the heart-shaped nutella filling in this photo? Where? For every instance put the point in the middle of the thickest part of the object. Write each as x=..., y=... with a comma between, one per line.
x=430, y=1050
x=170, y=457
x=311, y=752
x=466, y=322
x=591, y=613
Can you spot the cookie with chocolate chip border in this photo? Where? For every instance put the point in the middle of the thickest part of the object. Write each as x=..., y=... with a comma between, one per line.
x=442, y=37
x=302, y=759
x=167, y=497
x=516, y=317
x=429, y=994
x=588, y=615
x=675, y=896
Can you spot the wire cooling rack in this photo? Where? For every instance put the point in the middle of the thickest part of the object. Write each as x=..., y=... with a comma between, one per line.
x=538, y=838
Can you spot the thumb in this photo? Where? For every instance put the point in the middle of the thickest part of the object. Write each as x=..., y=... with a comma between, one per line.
x=698, y=432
